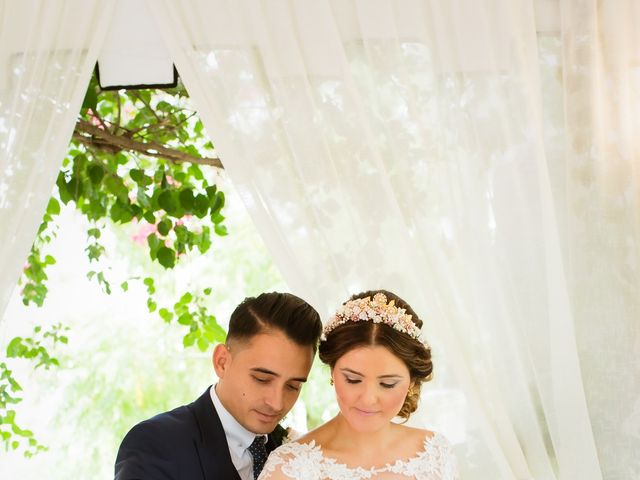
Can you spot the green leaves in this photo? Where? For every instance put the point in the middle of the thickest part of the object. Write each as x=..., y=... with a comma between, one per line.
x=53, y=207
x=187, y=199
x=166, y=257
x=191, y=312
x=90, y=98
x=12, y=435
x=174, y=203
x=95, y=173
x=37, y=347
x=38, y=350
x=115, y=186
x=164, y=227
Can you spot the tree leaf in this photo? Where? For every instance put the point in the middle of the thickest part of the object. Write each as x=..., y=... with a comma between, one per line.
x=53, y=207
x=154, y=244
x=15, y=348
x=166, y=257
x=90, y=100
x=164, y=227
x=165, y=314
x=187, y=199
x=96, y=173
x=203, y=344
x=186, y=298
x=63, y=190
x=201, y=205
x=117, y=187
x=167, y=202
x=185, y=319
x=136, y=174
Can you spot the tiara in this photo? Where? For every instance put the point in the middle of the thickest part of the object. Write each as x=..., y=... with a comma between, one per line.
x=375, y=310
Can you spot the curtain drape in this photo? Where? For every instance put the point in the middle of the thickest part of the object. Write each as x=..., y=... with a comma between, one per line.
x=479, y=166
x=48, y=49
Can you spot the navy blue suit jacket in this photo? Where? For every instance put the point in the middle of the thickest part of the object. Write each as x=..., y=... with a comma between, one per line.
x=187, y=443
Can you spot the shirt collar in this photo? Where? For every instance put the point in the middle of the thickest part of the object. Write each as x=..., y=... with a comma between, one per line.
x=238, y=437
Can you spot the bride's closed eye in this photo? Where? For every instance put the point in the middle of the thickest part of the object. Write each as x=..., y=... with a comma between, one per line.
x=352, y=381
x=388, y=385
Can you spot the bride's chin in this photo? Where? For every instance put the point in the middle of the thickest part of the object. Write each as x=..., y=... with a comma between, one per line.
x=365, y=424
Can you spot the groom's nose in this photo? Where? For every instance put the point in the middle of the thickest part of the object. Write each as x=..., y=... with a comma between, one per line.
x=275, y=399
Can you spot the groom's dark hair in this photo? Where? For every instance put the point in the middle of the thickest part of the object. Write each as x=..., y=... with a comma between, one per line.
x=285, y=312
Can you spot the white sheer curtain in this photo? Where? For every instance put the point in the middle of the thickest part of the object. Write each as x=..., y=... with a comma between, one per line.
x=481, y=167
x=48, y=49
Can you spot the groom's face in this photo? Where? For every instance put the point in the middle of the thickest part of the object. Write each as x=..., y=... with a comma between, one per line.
x=261, y=378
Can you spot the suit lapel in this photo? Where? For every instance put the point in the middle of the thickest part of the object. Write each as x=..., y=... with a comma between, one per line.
x=212, y=448
x=271, y=444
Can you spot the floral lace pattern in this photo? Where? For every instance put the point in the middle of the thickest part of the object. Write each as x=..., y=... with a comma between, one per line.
x=306, y=461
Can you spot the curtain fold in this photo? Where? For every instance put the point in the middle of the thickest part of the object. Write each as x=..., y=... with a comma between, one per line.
x=482, y=169
x=600, y=198
x=47, y=52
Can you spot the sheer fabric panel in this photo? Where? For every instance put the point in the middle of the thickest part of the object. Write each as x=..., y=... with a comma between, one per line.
x=47, y=52
x=443, y=150
x=599, y=194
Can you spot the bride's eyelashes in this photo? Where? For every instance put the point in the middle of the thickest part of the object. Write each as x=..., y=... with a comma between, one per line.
x=388, y=385
x=382, y=384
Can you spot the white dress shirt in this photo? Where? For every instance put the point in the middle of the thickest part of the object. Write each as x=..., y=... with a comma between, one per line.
x=238, y=439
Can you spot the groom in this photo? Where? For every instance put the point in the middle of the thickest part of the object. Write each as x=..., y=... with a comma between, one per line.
x=228, y=432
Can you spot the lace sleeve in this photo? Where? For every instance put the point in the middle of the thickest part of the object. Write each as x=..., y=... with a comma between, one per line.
x=446, y=459
x=293, y=460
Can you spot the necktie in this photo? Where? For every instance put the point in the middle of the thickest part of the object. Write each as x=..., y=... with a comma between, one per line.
x=258, y=451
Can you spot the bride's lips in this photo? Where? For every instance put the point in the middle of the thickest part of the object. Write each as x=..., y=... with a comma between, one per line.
x=267, y=418
x=365, y=413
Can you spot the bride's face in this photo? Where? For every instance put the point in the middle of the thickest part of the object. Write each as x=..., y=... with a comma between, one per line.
x=371, y=385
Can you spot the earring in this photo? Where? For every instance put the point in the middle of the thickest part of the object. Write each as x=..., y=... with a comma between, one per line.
x=331, y=381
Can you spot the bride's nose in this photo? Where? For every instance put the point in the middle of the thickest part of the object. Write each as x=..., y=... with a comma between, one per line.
x=370, y=394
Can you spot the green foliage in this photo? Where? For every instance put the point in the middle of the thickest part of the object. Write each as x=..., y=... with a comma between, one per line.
x=37, y=350
x=190, y=311
x=12, y=436
x=138, y=159
x=34, y=288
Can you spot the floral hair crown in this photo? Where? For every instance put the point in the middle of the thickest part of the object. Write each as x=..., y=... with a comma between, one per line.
x=375, y=310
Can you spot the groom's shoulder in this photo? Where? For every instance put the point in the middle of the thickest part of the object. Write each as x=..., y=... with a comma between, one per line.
x=180, y=418
x=160, y=446
x=176, y=422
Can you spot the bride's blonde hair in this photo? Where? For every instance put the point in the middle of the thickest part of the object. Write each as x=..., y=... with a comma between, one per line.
x=414, y=353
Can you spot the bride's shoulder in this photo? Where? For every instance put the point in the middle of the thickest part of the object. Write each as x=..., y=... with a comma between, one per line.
x=433, y=453
x=421, y=438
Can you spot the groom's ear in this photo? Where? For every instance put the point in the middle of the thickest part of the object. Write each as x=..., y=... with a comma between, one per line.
x=221, y=359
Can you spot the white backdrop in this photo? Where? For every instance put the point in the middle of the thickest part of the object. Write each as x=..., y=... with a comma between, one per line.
x=48, y=49
x=481, y=165
x=449, y=151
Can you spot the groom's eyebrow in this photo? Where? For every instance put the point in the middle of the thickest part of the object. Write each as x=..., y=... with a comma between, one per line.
x=269, y=372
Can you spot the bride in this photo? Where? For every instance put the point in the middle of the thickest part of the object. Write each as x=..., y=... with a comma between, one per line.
x=378, y=362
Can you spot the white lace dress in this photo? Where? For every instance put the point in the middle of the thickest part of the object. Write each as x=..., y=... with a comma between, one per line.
x=306, y=461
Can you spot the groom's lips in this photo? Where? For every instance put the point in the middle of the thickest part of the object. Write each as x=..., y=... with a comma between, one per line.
x=267, y=418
